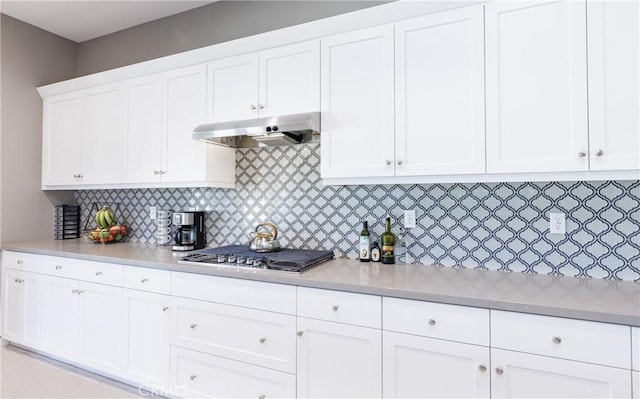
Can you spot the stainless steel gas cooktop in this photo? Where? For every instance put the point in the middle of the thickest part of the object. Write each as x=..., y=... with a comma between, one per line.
x=287, y=260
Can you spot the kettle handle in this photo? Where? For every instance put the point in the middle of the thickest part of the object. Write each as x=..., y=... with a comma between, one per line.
x=271, y=226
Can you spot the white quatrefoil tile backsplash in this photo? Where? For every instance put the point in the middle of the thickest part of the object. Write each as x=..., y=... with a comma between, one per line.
x=498, y=226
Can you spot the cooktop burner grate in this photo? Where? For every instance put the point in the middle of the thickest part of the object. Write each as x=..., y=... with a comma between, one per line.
x=287, y=260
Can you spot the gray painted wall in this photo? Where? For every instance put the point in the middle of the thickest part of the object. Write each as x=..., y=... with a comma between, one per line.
x=215, y=23
x=29, y=57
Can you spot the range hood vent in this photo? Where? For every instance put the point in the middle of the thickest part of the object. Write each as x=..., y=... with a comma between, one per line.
x=270, y=131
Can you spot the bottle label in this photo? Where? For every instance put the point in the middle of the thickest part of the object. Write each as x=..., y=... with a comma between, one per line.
x=364, y=247
x=375, y=254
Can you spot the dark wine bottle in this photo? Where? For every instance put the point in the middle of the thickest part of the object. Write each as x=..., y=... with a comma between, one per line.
x=388, y=243
x=365, y=254
x=375, y=252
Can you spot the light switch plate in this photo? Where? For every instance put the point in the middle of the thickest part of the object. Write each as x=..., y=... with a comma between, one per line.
x=409, y=219
x=153, y=215
x=557, y=223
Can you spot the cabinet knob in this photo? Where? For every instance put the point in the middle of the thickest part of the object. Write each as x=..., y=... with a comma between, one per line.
x=58, y=267
x=144, y=280
x=300, y=332
x=432, y=322
x=80, y=292
x=389, y=162
x=193, y=377
x=482, y=368
x=19, y=262
x=499, y=370
x=263, y=340
x=155, y=172
x=557, y=340
x=252, y=107
x=74, y=291
x=260, y=106
x=80, y=176
x=335, y=308
x=600, y=153
x=582, y=153
x=261, y=397
x=98, y=274
x=165, y=308
x=399, y=161
x=193, y=326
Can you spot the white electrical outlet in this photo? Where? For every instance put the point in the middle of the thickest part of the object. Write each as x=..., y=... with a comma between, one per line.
x=409, y=219
x=557, y=223
x=153, y=215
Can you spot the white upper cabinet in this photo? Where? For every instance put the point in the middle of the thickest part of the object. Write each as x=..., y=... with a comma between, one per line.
x=143, y=129
x=614, y=85
x=83, y=133
x=289, y=79
x=283, y=80
x=185, y=159
x=161, y=112
x=62, y=140
x=440, y=93
x=103, y=134
x=357, y=109
x=536, y=87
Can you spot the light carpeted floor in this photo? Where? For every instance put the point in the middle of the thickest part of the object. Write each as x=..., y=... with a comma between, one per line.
x=27, y=375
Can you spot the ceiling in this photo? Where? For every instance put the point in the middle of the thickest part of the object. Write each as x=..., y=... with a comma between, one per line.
x=81, y=20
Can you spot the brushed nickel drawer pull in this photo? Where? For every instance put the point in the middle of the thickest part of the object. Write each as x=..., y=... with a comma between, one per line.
x=557, y=340
x=335, y=308
x=263, y=340
x=499, y=370
x=482, y=368
x=193, y=377
x=193, y=326
x=432, y=322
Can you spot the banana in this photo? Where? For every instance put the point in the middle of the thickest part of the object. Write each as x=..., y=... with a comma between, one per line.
x=108, y=217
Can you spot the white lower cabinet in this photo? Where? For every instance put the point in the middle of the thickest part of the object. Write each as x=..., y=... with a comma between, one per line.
x=419, y=367
x=60, y=317
x=146, y=344
x=199, y=375
x=521, y=375
x=21, y=307
x=636, y=385
x=257, y=337
x=338, y=360
x=81, y=322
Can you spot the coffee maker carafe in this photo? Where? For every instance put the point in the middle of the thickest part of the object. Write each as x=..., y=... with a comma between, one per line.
x=190, y=233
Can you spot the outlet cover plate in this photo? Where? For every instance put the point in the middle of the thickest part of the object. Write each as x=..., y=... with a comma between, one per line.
x=557, y=224
x=409, y=219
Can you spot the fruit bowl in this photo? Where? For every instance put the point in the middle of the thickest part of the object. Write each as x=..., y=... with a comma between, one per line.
x=108, y=230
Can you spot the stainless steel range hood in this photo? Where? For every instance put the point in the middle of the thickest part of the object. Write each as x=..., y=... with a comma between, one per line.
x=270, y=131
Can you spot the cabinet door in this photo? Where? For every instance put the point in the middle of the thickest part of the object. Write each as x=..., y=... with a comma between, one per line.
x=13, y=305
x=60, y=317
x=100, y=343
x=338, y=360
x=636, y=385
x=418, y=367
x=614, y=84
x=440, y=93
x=289, y=79
x=232, y=88
x=143, y=129
x=520, y=375
x=185, y=94
x=357, y=104
x=62, y=140
x=147, y=326
x=536, y=87
x=103, y=134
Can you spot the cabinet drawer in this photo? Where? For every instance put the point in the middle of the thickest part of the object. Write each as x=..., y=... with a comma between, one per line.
x=253, y=336
x=437, y=320
x=22, y=261
x=198, y=375
x=101, y=273
x=62, y=267
x=251, y=294
x=635, y=348
x=586, y=341
x=341, y=307
x=145, y=279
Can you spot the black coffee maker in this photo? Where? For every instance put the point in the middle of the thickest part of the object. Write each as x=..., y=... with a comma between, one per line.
x=190, y=232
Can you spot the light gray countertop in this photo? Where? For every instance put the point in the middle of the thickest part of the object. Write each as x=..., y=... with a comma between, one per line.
x=580, y=298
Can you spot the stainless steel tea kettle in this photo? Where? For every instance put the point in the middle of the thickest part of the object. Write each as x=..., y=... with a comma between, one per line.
x=265, y=241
